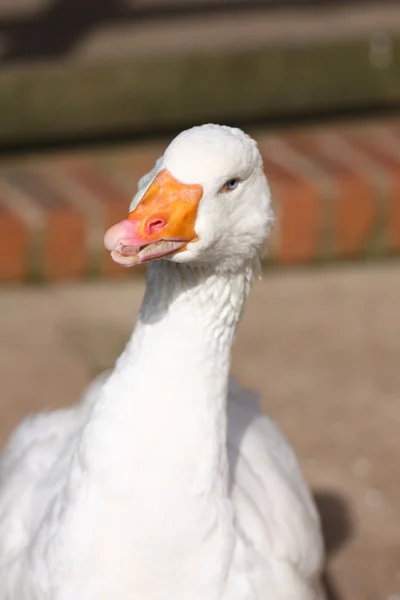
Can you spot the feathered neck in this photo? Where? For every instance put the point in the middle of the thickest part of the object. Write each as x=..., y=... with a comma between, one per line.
x=154, y=452
x=170, y=384
x=199, y=292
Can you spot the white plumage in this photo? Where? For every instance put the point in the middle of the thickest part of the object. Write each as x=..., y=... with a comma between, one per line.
x=166, y=482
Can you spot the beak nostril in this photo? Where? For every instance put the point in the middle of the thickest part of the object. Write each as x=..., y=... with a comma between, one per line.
x=155, y=225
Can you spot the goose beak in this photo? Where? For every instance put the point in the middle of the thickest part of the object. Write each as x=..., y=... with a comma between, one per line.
x=162, y=223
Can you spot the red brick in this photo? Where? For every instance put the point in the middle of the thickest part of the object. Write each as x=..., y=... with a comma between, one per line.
x=14, y=241
x=354, y=209
x=301, y=217
x=300, y=213
x=127, y=167
x=114, y=203
x=64, y=248
x=394, y=125
x=391, y=165
x=65, y=254
x=139, y=166
x=356, y=215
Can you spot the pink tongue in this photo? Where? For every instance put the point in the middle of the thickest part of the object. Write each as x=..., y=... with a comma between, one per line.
x=124, y=233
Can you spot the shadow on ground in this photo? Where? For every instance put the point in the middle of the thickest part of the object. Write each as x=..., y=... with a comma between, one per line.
x=337, y=527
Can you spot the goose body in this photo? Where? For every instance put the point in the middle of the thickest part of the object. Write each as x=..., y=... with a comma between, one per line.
x=166, y=481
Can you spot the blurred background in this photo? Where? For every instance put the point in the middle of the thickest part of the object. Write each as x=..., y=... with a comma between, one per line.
x=90, y=94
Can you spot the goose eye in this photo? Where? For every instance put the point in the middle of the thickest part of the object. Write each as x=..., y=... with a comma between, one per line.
x=230, y=185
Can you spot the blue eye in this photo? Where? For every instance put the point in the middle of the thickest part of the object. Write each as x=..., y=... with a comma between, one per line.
x=230, y=185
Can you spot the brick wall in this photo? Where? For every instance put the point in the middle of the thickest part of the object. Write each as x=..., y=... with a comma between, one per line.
x=336, y=193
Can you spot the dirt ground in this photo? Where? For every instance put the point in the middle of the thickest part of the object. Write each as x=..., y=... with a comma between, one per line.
x=322, y=346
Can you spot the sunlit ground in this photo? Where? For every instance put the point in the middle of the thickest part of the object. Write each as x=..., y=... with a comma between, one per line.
x=323, y=348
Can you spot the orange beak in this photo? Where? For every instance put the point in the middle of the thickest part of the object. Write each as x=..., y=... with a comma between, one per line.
x=162, y=223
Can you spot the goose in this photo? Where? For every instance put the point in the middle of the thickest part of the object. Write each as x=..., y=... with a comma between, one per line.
x=167, y=482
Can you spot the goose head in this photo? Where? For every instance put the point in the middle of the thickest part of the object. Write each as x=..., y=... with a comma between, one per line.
x=206, y=201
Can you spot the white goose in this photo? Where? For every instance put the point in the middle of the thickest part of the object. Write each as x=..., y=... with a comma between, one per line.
x=156, y=486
